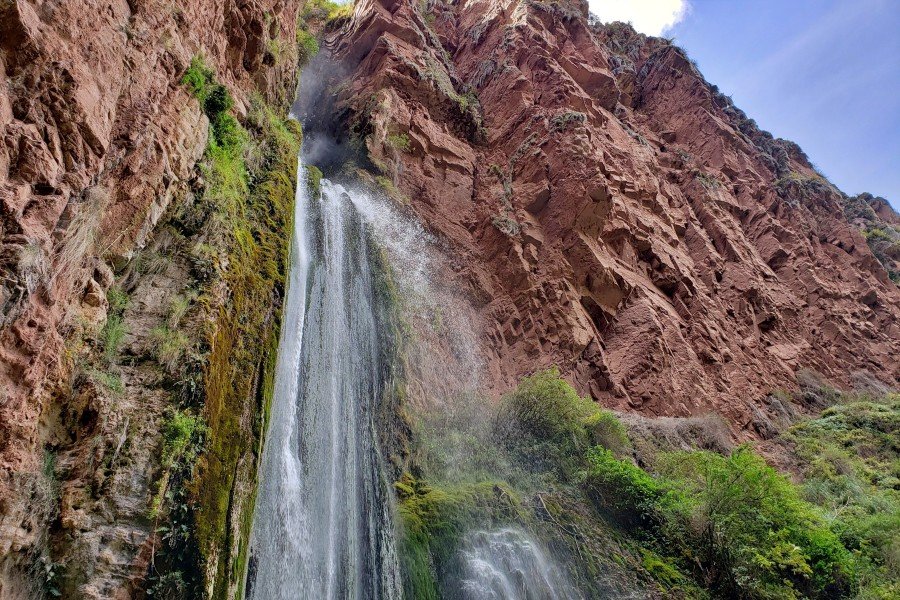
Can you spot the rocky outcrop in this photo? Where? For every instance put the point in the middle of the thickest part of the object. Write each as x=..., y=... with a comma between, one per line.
x=98, y=145
x=609, y=211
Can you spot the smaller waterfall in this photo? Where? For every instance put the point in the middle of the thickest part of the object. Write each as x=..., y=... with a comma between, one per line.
x=507, y=564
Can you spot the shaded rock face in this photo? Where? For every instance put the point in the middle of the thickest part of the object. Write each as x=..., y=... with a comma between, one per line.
x=609, y=211
x=97, y=138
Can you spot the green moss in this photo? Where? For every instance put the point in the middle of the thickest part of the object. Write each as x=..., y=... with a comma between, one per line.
x=314, y=181
x=257, y=219
x=307, y=44
x=433, y=519
x=245, y=214
x=664, y=571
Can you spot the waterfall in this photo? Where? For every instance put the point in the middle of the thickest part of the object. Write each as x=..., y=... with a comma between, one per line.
x=507, y=564
x=322, y=527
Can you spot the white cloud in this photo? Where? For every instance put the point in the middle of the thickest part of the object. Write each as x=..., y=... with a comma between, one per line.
x=652, y=17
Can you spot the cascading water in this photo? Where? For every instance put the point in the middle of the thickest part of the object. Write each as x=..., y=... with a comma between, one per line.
x=322, y=526
x=507, y=564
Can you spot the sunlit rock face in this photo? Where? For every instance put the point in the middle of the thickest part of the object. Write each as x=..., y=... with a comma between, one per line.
x=609, y=211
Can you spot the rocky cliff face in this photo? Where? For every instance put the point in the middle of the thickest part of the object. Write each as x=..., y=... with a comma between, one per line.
x=100, y=139
x=604, y=207
x=611, y=212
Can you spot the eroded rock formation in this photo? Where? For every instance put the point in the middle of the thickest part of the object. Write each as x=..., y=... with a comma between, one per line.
x=98, y=140
x=610, y=211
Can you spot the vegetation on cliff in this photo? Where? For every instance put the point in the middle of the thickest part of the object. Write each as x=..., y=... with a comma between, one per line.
x=692, y=523
x=240, y=226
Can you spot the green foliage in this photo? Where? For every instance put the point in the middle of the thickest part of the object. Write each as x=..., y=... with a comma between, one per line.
x=307, y=45
x=606, y=430
x=198, y=78
x=622, y=490
x=216, y=102
x=331, y=13
x=399, y=142
x=544, y=406
x=170, y=586
x=706, y=180
x=387, y=184
x=240, y=262
x=179, y=307
x=111, y=337
x=117, y=299
x=543, y=423
x=851, y=466
x=180, y=429
x=749, y=529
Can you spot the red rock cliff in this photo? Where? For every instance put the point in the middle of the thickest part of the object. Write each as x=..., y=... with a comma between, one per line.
x=98, y=137
x=610, y=211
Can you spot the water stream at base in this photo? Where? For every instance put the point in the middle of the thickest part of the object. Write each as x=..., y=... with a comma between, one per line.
x=322, y=526
x=508, y=564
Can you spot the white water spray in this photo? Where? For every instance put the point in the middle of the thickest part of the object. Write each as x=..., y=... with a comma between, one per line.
x=508, y=564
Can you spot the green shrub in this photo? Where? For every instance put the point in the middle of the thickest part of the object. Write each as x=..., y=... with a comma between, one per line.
x=544, y=406
x=332, y=13
x=850, y=458
x=605, y=429
x=117, y=299
x=198, y=78
x=748, y=528
x=399, y=142
x=622, y=490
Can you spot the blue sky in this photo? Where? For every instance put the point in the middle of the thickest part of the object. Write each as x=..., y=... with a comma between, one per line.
x=823, y=73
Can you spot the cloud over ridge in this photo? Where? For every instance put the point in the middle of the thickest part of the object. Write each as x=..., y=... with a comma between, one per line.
x=652, y=17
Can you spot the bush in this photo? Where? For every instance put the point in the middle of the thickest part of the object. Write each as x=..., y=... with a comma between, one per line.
x=850, y=458
x=399, y=142
x=605, y=429
x=747, y=527
x=117, y=299
x=622, y=490
x=546, y=407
